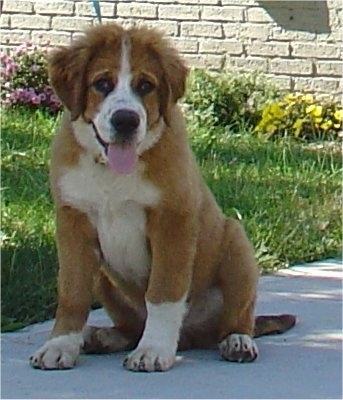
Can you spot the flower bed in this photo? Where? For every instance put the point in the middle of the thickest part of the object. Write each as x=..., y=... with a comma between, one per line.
x=24, y=79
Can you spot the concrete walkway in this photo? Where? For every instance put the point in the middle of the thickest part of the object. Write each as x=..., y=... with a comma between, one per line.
x=306, y=362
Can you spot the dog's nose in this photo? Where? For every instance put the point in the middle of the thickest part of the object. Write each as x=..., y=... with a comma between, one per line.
x=125, y=121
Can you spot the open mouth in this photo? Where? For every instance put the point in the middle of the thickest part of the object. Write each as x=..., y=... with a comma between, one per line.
x=122, y=156
x=99, y=138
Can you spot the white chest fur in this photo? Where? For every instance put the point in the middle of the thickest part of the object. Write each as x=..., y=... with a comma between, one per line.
x=115, y=205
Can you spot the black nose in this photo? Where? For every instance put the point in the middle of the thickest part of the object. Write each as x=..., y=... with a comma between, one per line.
x=125, y=121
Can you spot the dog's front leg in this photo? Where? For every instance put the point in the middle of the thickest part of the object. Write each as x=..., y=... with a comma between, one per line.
x=172, y=244
x=78, y=261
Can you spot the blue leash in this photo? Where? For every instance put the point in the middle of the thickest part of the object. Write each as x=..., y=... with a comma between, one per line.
x=97, y=10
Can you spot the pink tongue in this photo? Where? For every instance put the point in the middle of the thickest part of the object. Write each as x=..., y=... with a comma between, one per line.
x=122, y=157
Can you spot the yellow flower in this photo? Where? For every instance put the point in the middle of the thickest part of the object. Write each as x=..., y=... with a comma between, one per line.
x=297, y=126
x=271, y=128
x=318, y=120
x=336, y=126
x=276, y=110
x=298, y=123
x=326, y=125
x=291, y=99
x=266, y=112
x=316, y=111
x=258, y=127
x=308, y=98
x=310, y=108
x=338, y=115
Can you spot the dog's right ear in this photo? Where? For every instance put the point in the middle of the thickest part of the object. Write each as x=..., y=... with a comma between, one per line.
x=67, y=67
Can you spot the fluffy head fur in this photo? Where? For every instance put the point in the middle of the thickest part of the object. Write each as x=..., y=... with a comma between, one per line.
x=73, y=69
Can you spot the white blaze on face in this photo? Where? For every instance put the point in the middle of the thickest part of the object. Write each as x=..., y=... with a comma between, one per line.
x=122, y=156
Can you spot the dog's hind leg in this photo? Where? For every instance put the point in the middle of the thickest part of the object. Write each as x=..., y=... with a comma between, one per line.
x=273, y=324
x=128, y=321
x=238, y=280
x=106, y=339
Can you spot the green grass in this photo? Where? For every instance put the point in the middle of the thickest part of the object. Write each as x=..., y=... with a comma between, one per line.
x=288, y=198
x=28, y=251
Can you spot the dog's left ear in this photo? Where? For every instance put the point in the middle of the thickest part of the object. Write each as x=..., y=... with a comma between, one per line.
x=174, y=79
x=67, y=67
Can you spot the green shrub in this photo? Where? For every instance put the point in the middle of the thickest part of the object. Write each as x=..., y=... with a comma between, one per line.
x=229, y=100
x=301, y=115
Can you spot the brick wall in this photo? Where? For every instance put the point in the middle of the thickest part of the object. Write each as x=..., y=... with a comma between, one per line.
x=297, y=43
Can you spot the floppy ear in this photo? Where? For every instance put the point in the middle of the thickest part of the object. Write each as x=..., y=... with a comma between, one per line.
x=173, y=82
x=67, y=67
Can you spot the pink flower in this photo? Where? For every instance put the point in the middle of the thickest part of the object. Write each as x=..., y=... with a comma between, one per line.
x=7, y=103
x=20, y=51
x=35, y=68
x=11, y=68
x=42, y=97
x=54, y=99
x=3, y=57
x=19, y=94
x=35, y=100
x=48, y=90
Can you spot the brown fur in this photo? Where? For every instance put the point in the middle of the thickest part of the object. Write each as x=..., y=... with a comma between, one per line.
x=194, y=247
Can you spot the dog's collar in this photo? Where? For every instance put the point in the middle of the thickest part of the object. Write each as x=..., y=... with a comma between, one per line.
x=99, y=158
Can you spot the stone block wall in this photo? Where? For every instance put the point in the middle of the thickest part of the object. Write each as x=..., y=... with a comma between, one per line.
x=298, y=44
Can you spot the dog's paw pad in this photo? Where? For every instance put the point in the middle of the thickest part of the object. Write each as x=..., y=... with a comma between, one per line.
x=149, y=360
x=238, y=347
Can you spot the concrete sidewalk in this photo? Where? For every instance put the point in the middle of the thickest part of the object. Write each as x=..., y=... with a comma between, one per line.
x=306, y=362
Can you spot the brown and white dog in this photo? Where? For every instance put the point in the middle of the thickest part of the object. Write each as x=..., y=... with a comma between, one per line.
x=136, y=224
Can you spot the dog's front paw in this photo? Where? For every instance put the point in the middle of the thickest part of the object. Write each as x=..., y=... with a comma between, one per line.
x=238, y=347
x=60, y=352
x=150, y=359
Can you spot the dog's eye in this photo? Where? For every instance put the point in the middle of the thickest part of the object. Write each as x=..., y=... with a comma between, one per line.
x=144, y=87
x=103, y=85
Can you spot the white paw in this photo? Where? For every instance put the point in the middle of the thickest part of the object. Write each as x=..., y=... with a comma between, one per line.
x=60, y=352
x=238, y=347
x=150, y=359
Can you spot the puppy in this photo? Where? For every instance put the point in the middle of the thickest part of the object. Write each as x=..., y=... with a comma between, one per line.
x=136, y=224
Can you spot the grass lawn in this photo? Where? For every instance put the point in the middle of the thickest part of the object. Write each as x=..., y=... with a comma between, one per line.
x=287, y=196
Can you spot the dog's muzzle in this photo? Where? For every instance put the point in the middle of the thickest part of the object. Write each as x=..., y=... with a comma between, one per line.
x=121, y=153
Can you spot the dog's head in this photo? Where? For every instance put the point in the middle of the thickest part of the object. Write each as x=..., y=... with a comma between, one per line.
x=121, y=84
